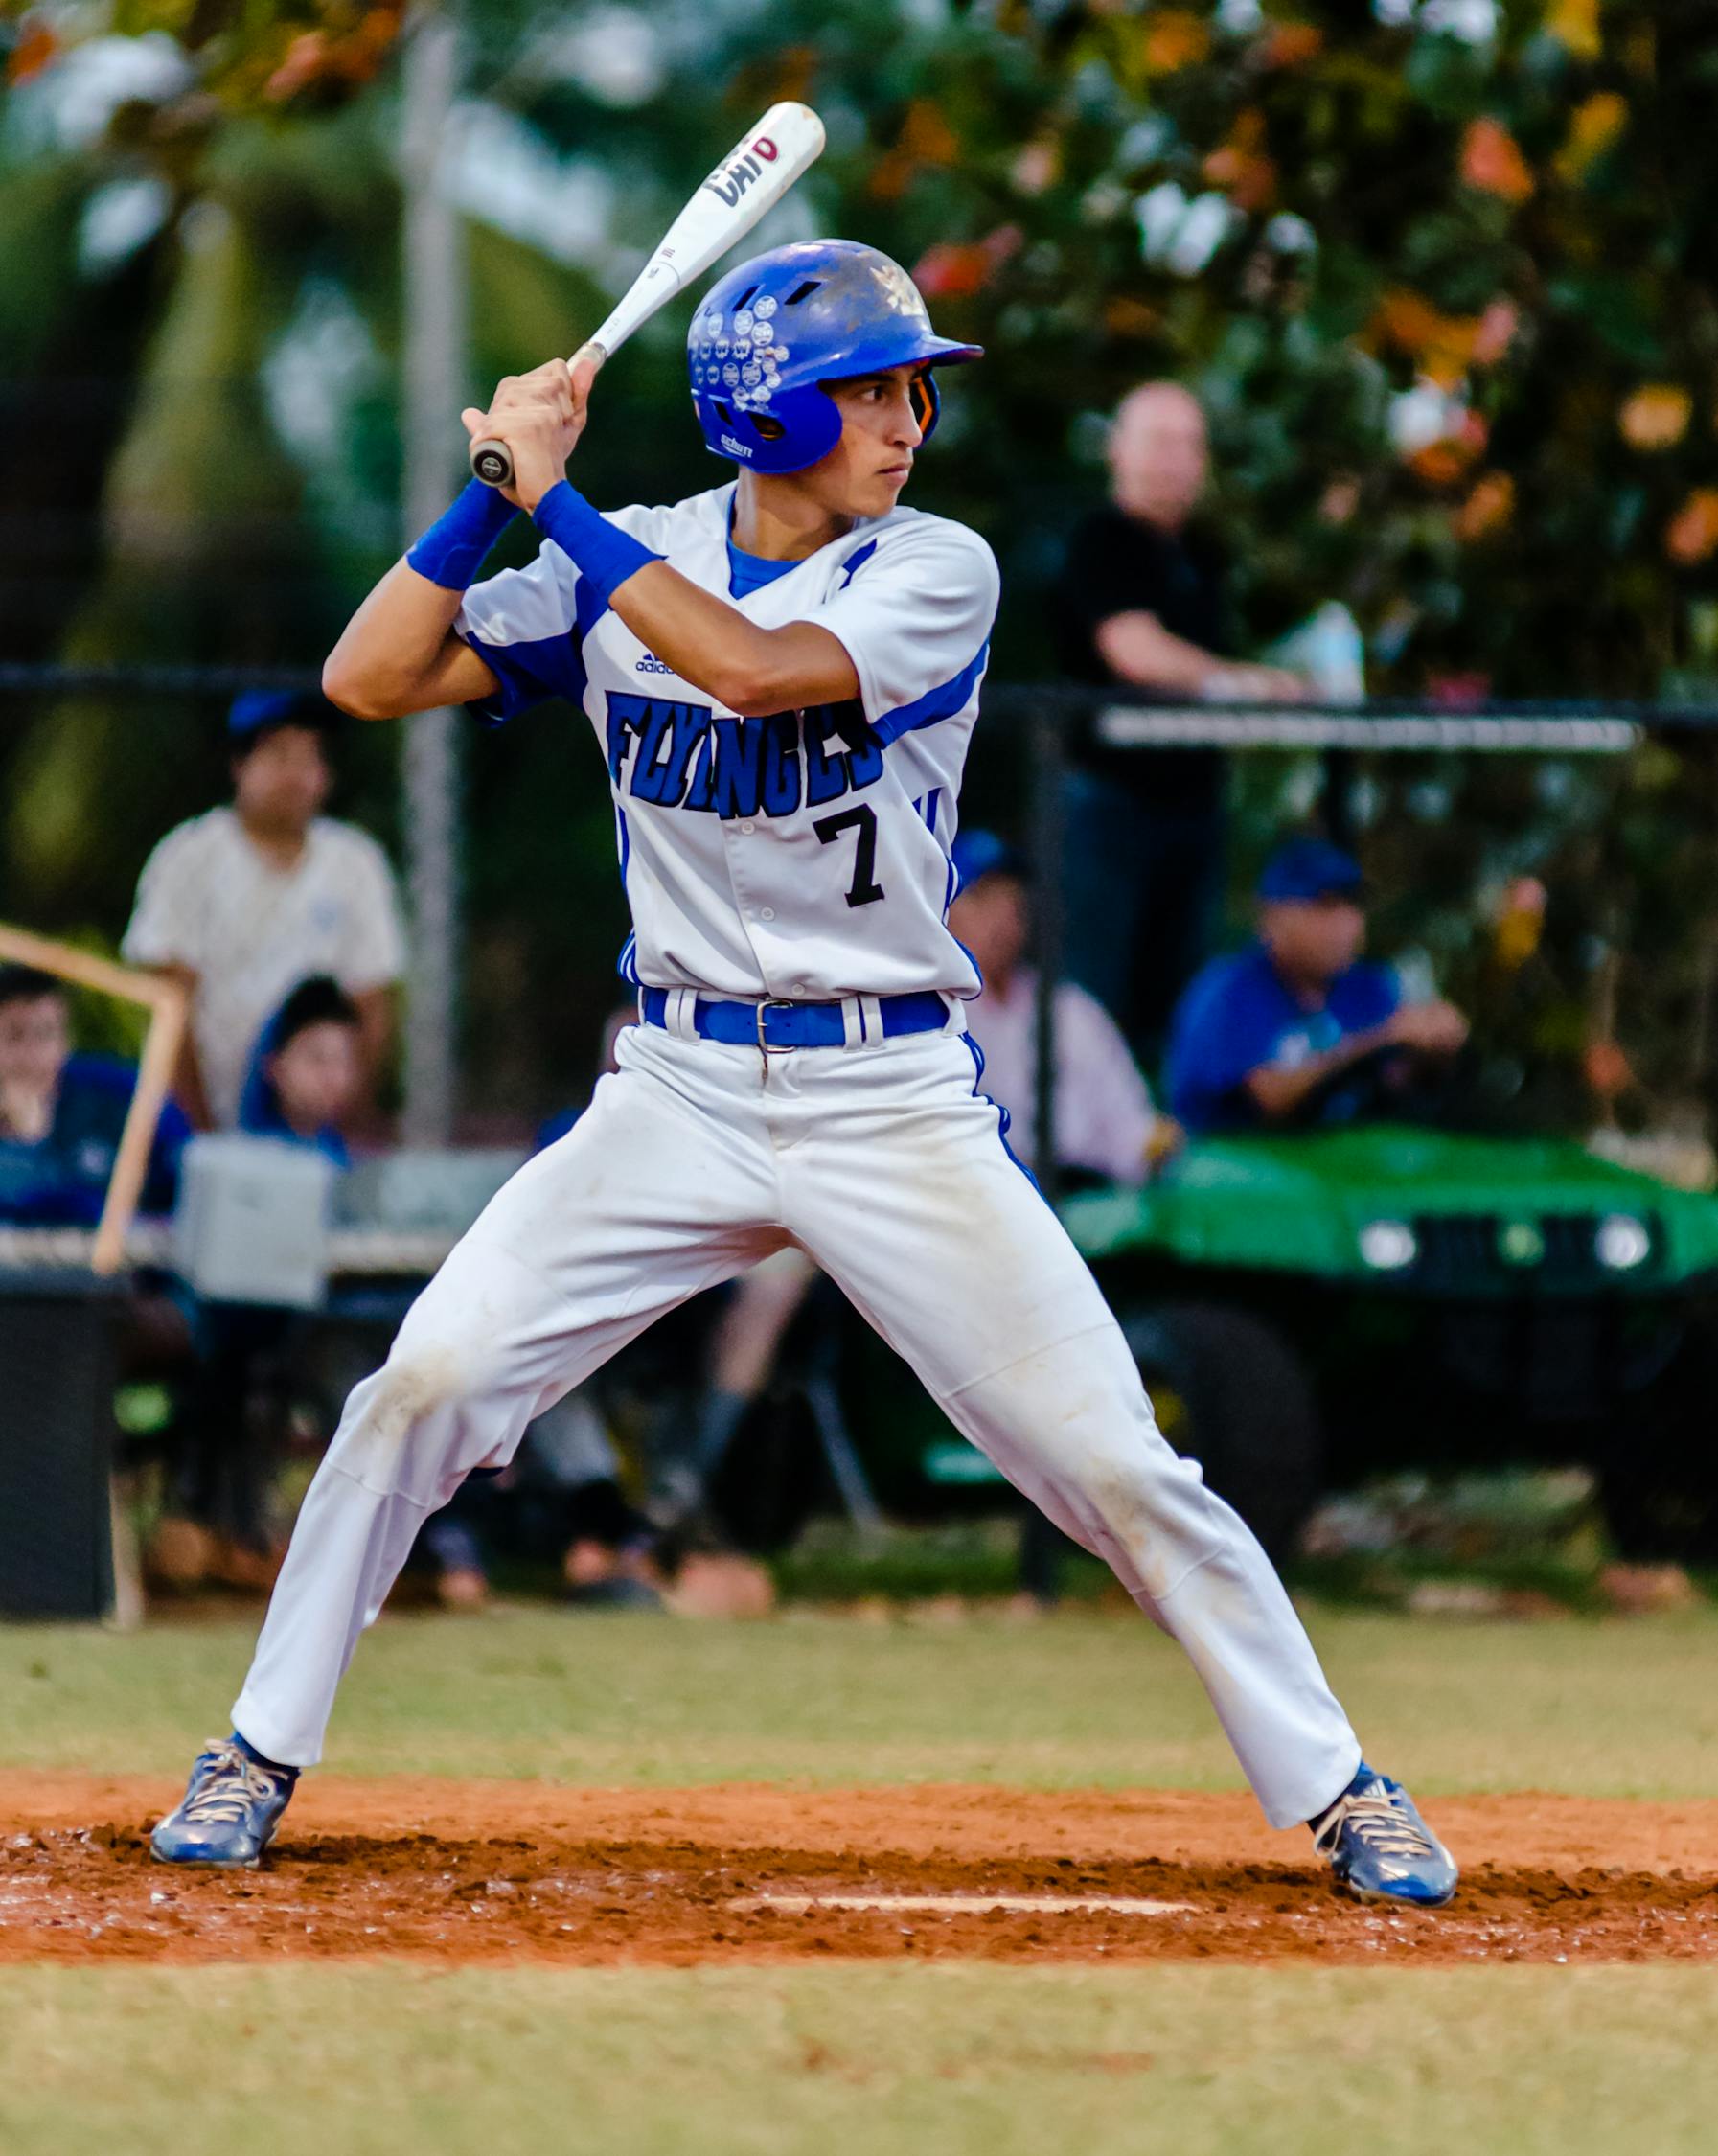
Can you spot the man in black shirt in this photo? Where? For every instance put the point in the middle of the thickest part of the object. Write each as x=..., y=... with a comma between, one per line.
x=1140, y=602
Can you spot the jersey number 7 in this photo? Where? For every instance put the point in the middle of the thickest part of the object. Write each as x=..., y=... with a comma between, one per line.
x=866, y=889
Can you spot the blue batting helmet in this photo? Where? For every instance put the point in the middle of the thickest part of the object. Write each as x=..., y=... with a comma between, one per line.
x=771, y=333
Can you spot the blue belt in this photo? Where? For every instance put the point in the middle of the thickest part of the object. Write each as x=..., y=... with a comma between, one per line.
x=773, y=1026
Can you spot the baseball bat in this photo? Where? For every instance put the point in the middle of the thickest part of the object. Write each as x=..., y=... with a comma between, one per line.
x=749, y=180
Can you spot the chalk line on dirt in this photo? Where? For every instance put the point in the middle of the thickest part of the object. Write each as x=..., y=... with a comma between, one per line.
x=962, y=1905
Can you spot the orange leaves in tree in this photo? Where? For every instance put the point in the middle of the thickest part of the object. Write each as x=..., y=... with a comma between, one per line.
x=1172, y=39
x=926, y=138
x=1593, y=126
x=335, y=56
x=1487, y=509
x=1241, y=167
x=1492, y=161
x=1656, y=417
x=1291, y=44
x=1692, y=534
x=955, y=269
x=37, y=48
x=1442, y=346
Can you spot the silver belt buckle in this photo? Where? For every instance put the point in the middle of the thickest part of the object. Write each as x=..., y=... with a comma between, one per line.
x=765, y=1048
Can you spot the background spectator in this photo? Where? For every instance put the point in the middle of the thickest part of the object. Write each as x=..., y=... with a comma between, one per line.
x=1298, y=1029
x=62, y=1115
x=1141, y=603
x=1106, y=1125
x=243, y=901
x=307, y=1074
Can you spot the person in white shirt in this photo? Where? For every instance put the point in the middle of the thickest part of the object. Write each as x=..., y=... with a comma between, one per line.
x=782, y=674
x=1106, y=1124
x=244, y=903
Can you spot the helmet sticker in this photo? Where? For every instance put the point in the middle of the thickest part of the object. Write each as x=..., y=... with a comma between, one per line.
x=899, y=290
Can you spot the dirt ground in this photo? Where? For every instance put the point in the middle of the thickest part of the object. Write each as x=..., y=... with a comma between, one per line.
x=480, y=1871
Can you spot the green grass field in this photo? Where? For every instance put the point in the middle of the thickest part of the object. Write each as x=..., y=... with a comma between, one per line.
x=344, y=2061
x=850, y=2061
x=1600, y=1708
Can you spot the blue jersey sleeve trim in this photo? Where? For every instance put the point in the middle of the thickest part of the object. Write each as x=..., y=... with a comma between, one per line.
x=526, y=674
x=941, y=703
x=855, y=562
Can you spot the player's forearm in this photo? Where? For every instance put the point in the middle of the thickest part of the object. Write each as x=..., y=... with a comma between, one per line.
x=746, y=668
x=399, y=653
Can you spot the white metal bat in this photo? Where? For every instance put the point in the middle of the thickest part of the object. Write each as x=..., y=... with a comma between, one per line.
x=749, y=180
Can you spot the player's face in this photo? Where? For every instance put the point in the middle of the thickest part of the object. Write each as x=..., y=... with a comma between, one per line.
x=283, y=781
x=35, y=1041
x=863, y=475
x=990, y=918
x=316, y=1076
x=1313, y=940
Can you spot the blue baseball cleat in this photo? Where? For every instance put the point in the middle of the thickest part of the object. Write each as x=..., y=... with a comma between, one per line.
x=228, y=1813
x=1380, y=1848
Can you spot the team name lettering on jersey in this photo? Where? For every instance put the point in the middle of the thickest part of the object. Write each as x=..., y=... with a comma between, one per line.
x=679, y=756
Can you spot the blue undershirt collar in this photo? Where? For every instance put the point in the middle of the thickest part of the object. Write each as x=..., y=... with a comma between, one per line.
x=750, y=572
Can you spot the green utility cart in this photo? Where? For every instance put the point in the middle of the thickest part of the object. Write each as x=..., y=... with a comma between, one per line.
x=1308, y=1309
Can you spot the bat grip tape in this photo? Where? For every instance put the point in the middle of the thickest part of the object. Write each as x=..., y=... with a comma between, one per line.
x=603, y=555
x=457, y=544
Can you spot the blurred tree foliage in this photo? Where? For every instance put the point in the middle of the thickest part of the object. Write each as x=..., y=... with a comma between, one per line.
x=1444, y=272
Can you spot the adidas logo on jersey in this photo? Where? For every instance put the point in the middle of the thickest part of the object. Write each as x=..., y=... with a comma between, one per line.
x=651, y=664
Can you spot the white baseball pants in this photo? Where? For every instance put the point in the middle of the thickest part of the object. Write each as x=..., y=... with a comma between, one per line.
x=887, y=1166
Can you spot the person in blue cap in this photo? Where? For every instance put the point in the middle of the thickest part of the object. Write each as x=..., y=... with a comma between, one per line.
x=244, y=902
x=1298, y=1029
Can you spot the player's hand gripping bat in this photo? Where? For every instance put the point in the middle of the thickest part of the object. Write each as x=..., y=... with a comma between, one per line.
x=752, y=178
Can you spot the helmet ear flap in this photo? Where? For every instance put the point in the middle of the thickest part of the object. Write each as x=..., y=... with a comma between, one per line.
x=925, y=402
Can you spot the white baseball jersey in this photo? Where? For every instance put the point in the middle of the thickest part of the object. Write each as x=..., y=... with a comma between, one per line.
x=804, y=856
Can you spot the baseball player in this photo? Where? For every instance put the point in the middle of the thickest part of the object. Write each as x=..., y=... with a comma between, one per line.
x=782, y=676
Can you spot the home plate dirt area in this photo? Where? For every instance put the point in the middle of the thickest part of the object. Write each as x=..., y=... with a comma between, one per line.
x=482, y=1871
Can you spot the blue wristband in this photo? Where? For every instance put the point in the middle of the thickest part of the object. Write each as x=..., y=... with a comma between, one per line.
x=603, y=553
x=458, y=544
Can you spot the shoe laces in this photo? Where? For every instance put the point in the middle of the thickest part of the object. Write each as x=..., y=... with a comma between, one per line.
x=232, y=1785
x=1379, y=1816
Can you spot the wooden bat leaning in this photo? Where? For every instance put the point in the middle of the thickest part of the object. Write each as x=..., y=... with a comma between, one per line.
x=751, y=179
